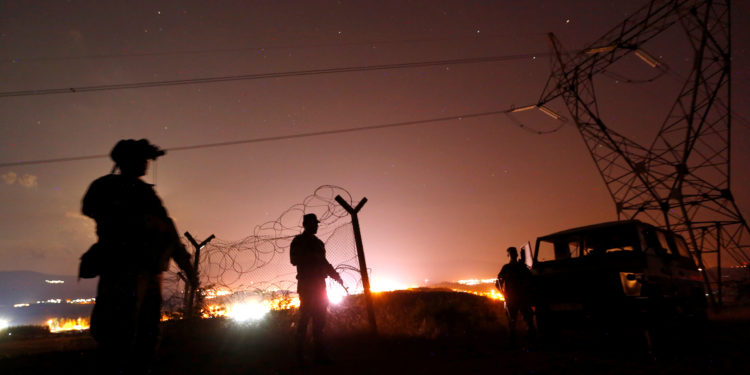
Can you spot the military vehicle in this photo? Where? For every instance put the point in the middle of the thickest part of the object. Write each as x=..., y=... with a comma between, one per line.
x=617, y=273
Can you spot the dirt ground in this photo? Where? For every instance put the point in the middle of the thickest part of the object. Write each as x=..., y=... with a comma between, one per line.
x=444, y=336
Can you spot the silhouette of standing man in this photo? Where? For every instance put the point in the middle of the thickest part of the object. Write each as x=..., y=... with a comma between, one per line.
x=136, y=241
x=308, y=253
x=514, y=281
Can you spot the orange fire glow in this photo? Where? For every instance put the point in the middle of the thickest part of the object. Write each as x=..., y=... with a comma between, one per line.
x=63, y=324
x=235, y=311
x=248, y=309
x=492, y=294
x=213, y=311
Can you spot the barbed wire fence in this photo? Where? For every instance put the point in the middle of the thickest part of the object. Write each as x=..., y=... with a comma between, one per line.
x=259, y=263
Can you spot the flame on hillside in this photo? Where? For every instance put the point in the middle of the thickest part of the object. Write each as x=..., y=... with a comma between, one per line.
x=248, y=309
x=492, y=294
x=256, y=307
x=63, y=324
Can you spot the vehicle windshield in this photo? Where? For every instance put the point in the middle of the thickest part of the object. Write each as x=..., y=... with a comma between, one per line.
x=592, y=242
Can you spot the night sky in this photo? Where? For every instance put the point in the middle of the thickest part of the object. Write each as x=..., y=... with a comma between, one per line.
x=444, y=198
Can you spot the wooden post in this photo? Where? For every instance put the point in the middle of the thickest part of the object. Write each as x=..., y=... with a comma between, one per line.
x=361, y=257
x=190, y=294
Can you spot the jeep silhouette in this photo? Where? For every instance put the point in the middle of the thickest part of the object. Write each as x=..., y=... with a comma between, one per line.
x=616, y=272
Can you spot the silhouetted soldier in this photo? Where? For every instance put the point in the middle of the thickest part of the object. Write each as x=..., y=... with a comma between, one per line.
x=136, y=241
x=515, y=282
x=308, y=253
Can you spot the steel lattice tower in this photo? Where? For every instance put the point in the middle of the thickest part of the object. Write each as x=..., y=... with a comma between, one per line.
x=682, y=180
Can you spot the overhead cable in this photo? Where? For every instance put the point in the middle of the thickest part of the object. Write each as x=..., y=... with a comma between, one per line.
x=241, y=77
x=294, y=136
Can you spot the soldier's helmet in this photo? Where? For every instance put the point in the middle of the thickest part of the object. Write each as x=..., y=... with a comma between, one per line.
x=310, y=219
x=131, y=150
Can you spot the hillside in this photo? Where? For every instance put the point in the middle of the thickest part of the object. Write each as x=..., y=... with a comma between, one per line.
x=34, y=289
x=421, y=332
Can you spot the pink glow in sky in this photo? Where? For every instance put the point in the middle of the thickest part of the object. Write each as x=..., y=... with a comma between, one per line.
x=444, y=199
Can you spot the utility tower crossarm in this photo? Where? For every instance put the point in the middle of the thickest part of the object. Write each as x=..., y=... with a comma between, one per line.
x=640, y=27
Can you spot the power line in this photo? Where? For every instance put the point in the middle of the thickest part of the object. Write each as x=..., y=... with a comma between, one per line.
x=295, y=136
x=193, y=81
x=57, y=160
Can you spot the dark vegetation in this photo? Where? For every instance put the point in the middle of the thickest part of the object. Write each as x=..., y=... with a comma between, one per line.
x=421, y=332
x=24, y=333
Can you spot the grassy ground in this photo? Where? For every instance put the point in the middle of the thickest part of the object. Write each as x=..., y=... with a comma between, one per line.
x=422, y=332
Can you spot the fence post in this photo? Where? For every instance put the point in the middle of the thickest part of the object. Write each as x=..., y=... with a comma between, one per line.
x=191, y=291
x=361, y=257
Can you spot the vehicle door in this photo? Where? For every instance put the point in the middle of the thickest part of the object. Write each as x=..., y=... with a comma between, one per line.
x=659, y=267
x=686, y=278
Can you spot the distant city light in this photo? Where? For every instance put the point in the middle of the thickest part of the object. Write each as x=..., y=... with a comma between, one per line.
x=77, y=301
x=81, y=301
x=51, y=300
x=54, y=281
x=476, y=281
x=212, y=293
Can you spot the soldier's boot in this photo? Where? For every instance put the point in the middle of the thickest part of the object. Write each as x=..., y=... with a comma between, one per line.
x=321, y=355
x=512, y=339
x=299, y=349
x=532, y=335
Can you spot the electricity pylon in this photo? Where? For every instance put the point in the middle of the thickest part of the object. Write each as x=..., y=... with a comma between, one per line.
x=682, y=180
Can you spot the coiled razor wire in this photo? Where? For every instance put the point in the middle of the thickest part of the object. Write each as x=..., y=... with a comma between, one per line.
x=259, y=263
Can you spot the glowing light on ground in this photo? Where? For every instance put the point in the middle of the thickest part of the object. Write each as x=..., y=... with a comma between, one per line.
x=257, y=306
x=494, y=294
x=4, y=324
x=248, y=311
x=283, y=303
x=63, y=324
x=336, y=294
x=386, y=285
